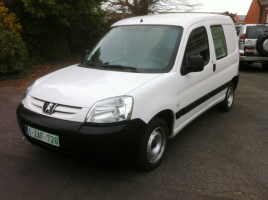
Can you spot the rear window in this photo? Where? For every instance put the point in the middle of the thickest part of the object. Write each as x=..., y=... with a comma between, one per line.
x=254, y=32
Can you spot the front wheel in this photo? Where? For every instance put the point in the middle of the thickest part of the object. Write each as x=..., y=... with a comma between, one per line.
x=227, y=103
x=153, y=144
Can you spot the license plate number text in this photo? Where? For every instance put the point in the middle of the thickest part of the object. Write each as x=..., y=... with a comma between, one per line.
x=42, y=136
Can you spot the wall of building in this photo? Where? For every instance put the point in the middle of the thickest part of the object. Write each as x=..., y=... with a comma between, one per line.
x=253, y=13
x=264, y=2
x=264, y=14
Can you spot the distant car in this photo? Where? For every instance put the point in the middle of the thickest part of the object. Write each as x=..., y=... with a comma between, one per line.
x=253, y=43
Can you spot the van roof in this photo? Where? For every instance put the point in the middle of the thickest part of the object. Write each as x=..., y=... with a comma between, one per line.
x=175, y=19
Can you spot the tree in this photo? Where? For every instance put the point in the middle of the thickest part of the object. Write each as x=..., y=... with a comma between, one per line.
x=232, y=15
x=13, y=56
x=13, y=50
x=145, y=7
x=8, y=20
x=54, y=29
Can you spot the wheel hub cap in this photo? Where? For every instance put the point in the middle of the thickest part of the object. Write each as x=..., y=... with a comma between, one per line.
x=230, y=96
x=265, y=45
x=156, y=145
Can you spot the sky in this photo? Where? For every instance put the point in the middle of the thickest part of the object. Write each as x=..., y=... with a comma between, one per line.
x=234, y=6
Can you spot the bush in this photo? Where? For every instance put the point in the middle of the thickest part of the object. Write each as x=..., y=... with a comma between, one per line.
x=13, y=56
x=8, y=20
x=48, y=47
x=56, y=29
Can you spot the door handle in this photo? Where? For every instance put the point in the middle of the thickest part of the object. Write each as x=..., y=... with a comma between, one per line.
x=214, y=67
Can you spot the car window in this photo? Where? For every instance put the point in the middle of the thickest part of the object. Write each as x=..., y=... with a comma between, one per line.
x=148, y=49
x=254, y=32
x=219, y=41
x=197, y=45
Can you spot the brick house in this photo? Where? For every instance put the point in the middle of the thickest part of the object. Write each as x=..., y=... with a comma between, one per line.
x=258, y=12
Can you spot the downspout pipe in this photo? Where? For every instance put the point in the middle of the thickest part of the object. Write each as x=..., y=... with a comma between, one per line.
x=260, y=14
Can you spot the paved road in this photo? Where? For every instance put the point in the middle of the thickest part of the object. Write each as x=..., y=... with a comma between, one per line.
x=218, y=156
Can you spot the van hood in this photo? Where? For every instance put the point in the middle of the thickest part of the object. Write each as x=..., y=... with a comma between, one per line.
x=83, y=87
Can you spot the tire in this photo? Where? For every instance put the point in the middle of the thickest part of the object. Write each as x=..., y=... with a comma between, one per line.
x=249, y=62
x=264, y=66
x=241, y=65
x=152, y=145
x=227, y=103
x=262, y=45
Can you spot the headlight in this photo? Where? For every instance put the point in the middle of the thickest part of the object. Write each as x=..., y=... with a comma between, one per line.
x=26, y=92
x=111, y=110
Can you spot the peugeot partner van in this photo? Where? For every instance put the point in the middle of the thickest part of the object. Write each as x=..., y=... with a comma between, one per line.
x=144, y=80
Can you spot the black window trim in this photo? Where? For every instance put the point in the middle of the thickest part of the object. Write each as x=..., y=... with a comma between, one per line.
x=205, y=64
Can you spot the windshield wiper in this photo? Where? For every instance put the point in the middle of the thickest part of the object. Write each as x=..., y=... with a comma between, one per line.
x=125, y=68
x=86, y=63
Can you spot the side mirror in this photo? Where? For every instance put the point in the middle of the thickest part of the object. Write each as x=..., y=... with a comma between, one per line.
x=196, y=64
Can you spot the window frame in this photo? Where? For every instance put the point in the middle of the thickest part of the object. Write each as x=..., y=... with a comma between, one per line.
x=183, y=65
x=173, y=56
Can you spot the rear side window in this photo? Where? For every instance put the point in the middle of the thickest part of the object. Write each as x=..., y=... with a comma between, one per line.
x=254, y=32
x=197, y=45
x=219, y=42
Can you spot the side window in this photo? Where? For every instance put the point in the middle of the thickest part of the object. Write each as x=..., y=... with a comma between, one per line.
x=197, y=45
x=219, y=42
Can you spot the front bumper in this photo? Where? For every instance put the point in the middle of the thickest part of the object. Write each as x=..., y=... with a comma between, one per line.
x=80, y=139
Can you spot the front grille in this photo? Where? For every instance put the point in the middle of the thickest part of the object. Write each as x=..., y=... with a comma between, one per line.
x=61, y=112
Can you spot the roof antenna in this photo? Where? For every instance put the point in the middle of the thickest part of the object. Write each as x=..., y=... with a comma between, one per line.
x=141, y=20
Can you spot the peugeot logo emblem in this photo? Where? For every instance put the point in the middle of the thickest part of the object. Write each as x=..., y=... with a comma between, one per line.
x=49, y=108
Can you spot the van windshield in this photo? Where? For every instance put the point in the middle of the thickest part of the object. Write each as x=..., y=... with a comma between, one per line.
x=143, y=49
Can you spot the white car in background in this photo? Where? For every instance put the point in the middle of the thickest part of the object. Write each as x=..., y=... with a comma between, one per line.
x=253, y=43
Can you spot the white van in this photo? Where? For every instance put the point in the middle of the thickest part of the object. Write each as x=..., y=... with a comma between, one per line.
x=146, y=79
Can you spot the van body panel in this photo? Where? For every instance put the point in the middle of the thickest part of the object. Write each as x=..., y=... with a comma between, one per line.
x=162, y=93
x=80, y=86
